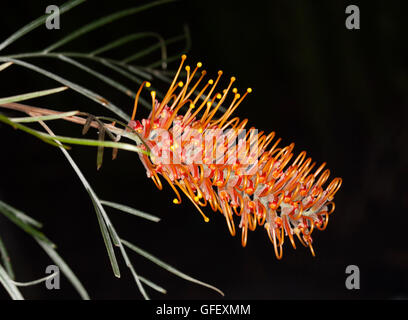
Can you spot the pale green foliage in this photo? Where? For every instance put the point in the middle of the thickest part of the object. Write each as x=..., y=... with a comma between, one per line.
x=136, y=74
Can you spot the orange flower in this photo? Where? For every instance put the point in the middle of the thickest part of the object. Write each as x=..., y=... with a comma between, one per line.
x=214, y=160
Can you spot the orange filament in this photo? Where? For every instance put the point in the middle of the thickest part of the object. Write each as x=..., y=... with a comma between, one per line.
x=137, y=97
x=265, y=187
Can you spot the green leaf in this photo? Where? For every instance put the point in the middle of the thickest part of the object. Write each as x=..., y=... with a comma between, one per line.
x=101, y=210
x=167, y=267
x=102, y=22
x=65, y=269
x=22, y=221
x=78, y=141
x=129, y=38
x=31, y=95
x=11, y=213
x=152, y=285
x=34, y=282
x=107, y=240
x=111, y=64
x=118, y=69
x=135, y=69
x=130, y=210
x=96, y=143
x=100, y=76
x=106, y=219
x=37, y=23
x=6, y=259
x=20, y=215
x=103, y=221
x=133, y=271
x=8, y=284
x=28, y=130
x=159, y=74
x=45, y=118
x=152, y=48
x=88, y=93
x=138, y=71
x=176, y=56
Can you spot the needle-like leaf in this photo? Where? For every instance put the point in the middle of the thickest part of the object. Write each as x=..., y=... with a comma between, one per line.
x=107, y=240
x=34, y=282
x=168, y=267
x=6, y=259
x=152, y=285
x=152, y=48
x=176, y=56
x=100, y=76
x=102, y=22
x=25, y=223
x=12, y=214
x=78, y=141
x=130, y=210
x=132, y=37
x=45, y=118
x=37, y=22
x=65, y=269
x=88, y=93
x=101, y=210
x=20, y=215
x=31, y=95
x=8, y=284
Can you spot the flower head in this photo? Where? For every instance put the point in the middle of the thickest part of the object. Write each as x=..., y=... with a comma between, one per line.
x=214, y=160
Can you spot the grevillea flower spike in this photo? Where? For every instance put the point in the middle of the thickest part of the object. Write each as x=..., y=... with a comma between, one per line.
x=214, y=160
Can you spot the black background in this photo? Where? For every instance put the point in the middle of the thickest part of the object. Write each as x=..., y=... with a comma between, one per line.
x=339, y=94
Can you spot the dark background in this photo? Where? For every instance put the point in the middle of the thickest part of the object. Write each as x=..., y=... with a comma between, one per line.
x=339, y=94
